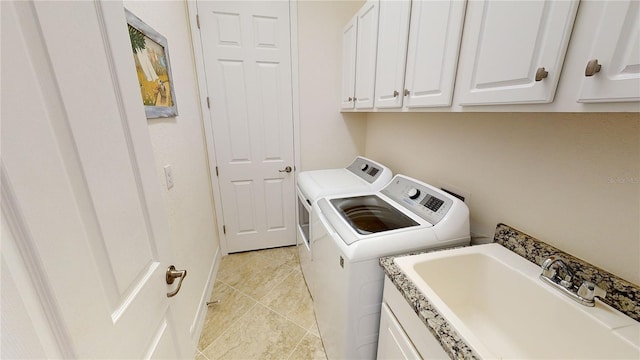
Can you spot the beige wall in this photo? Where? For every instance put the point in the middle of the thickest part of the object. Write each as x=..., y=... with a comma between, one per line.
x=179, y=142
x=572, y=180
x=328, y=139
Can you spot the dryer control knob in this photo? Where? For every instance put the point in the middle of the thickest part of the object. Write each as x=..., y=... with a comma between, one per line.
x=413, y=193
x=364, y=167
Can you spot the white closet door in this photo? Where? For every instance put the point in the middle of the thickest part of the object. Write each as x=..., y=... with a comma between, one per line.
x=247, y=53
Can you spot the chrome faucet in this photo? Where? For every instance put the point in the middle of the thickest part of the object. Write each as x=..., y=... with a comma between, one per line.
x=558, y=274
x=552, y=268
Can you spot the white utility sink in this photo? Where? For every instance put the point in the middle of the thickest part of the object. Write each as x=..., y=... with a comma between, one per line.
x=495, y=301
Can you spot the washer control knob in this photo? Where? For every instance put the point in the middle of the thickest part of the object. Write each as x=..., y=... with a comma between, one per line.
x=364, y=167
x=413, y=193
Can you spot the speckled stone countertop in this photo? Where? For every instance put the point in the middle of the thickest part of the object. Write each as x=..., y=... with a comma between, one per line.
x=621, y=294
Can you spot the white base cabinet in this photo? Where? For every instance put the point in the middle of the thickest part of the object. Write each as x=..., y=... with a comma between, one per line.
x=402, y=334
x=393, y=342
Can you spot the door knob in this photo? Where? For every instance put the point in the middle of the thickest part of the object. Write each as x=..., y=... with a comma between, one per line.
x=172, y=275
x=287, y=169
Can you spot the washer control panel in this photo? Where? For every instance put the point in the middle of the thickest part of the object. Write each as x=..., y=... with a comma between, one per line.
x=424, y=200
x=365, y=169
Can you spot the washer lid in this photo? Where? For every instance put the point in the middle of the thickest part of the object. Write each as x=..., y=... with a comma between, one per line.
x=317, y=183
x=370, y=214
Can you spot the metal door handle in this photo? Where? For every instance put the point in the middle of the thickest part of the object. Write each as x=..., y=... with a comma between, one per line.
x=287, y=169
x=173, y=274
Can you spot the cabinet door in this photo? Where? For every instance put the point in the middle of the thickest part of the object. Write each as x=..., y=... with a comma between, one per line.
x=366, y=45
x=616, y=47
x=432, y=57
x=512, y=51
x=393, y=30
x=393, y=342
x=348, y=63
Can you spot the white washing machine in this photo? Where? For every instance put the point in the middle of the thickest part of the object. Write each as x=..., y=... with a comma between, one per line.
x=348, y=236
x=361, y=175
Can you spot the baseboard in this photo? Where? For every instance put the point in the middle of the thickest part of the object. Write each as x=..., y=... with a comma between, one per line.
x=198, y=322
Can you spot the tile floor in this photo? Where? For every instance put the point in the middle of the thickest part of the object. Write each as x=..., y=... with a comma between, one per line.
x=265, y=310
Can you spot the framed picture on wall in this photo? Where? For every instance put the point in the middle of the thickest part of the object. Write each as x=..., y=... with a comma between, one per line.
x=151, y=55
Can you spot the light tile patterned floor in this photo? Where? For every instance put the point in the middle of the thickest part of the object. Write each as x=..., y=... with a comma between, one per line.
x=265, y=310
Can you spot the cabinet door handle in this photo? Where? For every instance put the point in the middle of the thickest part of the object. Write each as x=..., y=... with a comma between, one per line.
x=541, y=73
x=592, y=68
x=406, y=92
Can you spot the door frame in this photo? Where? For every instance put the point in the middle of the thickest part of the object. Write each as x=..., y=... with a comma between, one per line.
x=192, y=8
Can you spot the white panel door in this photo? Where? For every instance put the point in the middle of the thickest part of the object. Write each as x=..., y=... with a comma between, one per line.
x=347, y=92
x=432, y=56
x=80, y=190
x=247, y=57
x=393, y=34
x=513, y=51
x=616, y=47
x=366, y=47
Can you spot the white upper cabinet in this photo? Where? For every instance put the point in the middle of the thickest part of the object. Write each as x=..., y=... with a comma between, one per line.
x=432, y=57
x=366, y=46
x=393, y=34
x=612, y=67
x=349, y=64
x=512, y=51
x=429, y=48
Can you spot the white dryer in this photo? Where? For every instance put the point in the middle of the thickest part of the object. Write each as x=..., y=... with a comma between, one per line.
x=348, y=236
x=361, y=175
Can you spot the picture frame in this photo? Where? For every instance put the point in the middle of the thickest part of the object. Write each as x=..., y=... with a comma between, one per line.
x=150, y=52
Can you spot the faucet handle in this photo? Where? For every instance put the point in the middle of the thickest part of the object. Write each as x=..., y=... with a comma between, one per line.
x=589, y=291
x=556, y=269
x=548, y=270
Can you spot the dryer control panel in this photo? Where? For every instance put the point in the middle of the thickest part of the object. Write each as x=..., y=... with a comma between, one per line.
x=366, y=169
x=422, y=199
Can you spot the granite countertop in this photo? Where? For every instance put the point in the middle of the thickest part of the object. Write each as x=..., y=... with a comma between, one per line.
x=621, y=294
